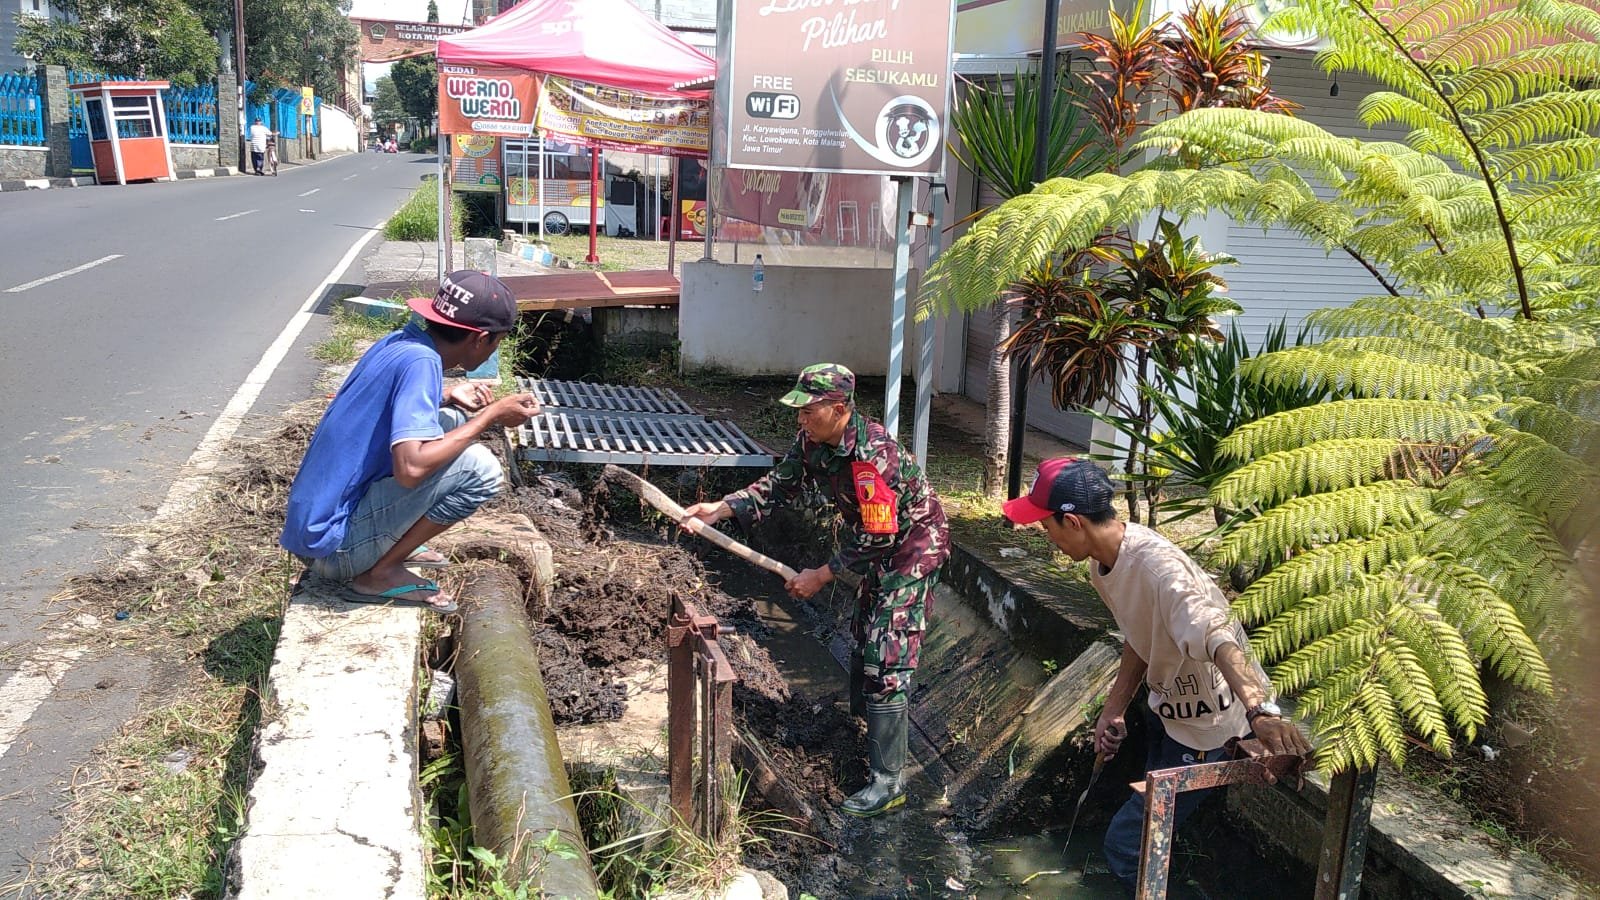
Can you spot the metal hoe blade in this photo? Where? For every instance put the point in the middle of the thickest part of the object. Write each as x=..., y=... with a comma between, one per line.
x=1099, y=766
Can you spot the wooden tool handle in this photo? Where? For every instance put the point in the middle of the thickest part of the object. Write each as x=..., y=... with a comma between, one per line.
x=652, y=495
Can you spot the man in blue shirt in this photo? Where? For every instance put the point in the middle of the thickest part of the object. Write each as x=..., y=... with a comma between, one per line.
x=395, y=460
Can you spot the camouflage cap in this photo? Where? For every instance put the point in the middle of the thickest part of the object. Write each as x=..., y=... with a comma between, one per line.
x=823, y=381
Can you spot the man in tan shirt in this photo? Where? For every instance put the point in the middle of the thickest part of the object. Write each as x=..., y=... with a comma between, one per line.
x=1178, y=639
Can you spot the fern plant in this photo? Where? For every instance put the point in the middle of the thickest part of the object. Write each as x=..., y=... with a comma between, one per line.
x=1422, y=529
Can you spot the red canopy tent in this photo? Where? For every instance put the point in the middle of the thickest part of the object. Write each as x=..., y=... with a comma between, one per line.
x=609, y=42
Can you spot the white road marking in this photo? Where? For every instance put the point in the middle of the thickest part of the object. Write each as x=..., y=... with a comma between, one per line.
x=24, y=692
x=205, y=456
x=310, y=192
x=348, y=177
x=236, y=215
x=308, y=210
x=72, y=271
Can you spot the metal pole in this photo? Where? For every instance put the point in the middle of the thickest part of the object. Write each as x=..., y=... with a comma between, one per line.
x=541, y=186
x=897, y=311
x=1344, y=838
x=672, y=217
x=244, y=102
x=594, y=205
x=924, y=411
x=1041, y=135
x=444, y=209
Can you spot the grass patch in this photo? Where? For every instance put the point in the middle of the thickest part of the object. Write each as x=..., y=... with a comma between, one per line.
x=418, y=219
x=353, y=332
x=620, y=254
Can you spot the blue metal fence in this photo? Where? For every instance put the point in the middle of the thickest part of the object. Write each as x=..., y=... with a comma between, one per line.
x=191, y=114
x=255, y=111
x=21, y=111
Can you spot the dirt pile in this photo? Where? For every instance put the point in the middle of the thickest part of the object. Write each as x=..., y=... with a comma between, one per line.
x=617, y=569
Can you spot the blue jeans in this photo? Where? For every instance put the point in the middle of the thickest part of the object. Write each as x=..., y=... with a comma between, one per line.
x=1125, y=834
x=388, y=510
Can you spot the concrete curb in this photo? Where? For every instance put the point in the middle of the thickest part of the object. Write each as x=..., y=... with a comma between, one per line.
x=44, y=184
x=334, y=809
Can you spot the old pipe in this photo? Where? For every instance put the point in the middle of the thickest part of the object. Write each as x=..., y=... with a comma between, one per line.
x=516, y=782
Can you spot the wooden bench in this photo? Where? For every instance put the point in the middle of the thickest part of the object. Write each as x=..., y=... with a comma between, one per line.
x=560, y=290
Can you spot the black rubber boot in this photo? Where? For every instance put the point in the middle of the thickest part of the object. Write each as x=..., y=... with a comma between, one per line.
x=886, y=753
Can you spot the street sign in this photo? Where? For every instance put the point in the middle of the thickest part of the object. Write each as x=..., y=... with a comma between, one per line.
x=308, y=101
x=859, y=88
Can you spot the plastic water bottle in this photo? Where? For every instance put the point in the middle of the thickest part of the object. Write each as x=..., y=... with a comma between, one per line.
x=758, y=275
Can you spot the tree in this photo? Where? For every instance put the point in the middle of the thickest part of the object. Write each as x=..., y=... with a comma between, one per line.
x=161, y=39
x=387, y=110
x=416, y=78
x=433, y=11
x=300, y=42
x=1424, y=527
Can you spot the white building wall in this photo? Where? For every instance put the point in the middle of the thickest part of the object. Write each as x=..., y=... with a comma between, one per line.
x=803, y=315
x=339, y=130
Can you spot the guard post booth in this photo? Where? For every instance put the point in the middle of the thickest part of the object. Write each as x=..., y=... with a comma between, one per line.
x=127, y=130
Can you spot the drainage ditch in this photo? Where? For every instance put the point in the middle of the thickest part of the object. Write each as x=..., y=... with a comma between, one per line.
x=999, y=741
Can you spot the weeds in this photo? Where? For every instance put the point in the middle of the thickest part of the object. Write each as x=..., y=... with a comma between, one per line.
x=418, y=219
x=352, y=332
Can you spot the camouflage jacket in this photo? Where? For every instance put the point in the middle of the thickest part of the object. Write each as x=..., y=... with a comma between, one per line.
x=895, y=522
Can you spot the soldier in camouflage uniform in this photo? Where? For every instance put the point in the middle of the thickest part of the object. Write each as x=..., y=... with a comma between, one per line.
x=897, y=539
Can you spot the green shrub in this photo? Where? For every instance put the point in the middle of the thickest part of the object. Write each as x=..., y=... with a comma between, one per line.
x=423, y=145
x=418, y=220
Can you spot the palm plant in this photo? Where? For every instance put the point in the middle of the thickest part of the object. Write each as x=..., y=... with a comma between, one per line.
x=1195, y=407
x=999, y=135
x=1423, y=527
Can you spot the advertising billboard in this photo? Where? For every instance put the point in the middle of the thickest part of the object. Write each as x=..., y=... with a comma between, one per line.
x=860, y=87
x=486, y=100
x=386, y=40
x=622, y=119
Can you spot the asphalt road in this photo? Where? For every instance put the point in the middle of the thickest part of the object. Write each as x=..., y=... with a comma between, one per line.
x=132, y=316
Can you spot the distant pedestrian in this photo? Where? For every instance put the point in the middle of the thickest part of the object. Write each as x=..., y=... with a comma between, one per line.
x=396, y=460
x=259, y=134
x=1178, y=639
x=895, y=539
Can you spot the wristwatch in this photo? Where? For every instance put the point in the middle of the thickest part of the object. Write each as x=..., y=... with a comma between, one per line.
x=1264, y=708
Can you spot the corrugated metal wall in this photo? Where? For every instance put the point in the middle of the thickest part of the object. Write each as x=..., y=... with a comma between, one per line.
x=1280, y=275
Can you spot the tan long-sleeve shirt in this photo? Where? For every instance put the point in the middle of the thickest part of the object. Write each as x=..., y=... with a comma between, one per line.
x=1175, y=617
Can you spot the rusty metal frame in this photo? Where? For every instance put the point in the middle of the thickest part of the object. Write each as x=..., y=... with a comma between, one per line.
x=699, y=712
x=1344, y=837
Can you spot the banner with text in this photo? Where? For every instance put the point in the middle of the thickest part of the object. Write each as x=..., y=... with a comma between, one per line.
x=861, y=88
x=621, y=119
x=486, y=100
x=386, y=40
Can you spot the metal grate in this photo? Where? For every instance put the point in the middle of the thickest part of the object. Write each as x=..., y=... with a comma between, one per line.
x=637, y=439
x=564, y=396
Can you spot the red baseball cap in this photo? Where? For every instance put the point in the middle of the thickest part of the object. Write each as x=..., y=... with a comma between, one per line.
x=1066, y=484
x=476, y=301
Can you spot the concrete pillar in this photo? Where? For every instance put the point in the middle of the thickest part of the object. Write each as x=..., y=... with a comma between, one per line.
x=230, y=152
x=480, y=255
x=57, y=118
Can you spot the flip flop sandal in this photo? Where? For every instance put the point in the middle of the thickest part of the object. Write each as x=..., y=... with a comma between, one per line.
x=396, y=596
x=413, y=562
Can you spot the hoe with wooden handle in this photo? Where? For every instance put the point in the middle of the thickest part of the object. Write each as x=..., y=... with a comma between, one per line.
x=652, y=495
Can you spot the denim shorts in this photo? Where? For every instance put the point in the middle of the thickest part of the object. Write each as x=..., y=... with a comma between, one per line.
x=388, y=509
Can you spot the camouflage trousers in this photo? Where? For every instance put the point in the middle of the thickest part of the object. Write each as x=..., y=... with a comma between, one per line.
x=891, y=614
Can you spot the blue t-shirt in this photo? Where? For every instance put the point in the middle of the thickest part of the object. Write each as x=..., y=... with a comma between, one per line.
x=393, y=394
